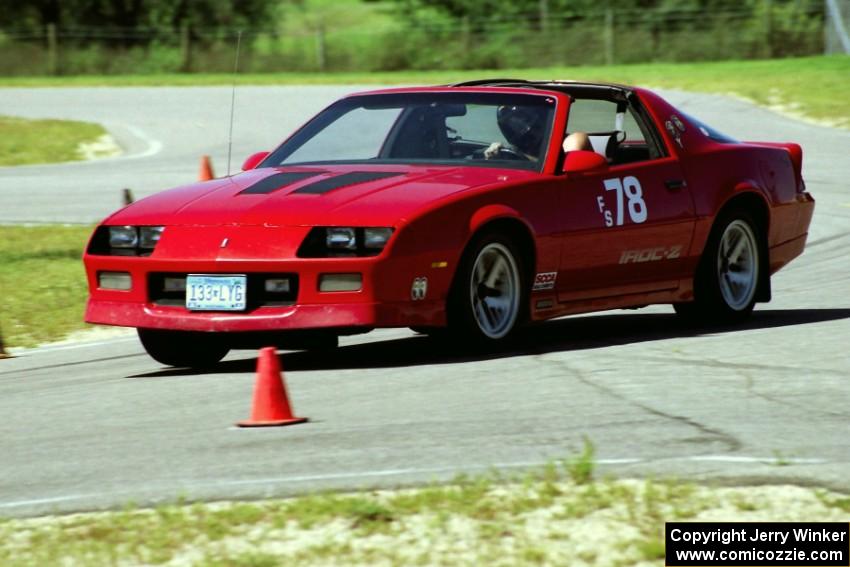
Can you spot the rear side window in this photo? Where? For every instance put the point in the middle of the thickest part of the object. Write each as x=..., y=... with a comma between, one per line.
x=710, y=132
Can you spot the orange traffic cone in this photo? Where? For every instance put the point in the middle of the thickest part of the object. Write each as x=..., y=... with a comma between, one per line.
x=206, y=169
x=271, y=404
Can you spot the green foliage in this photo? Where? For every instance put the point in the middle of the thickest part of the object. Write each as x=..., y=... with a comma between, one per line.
x=581, y=467
x=157, y=14
x=565, y=32
x=103, y=36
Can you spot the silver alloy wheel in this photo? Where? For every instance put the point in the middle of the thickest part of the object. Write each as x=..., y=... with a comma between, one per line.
x=738, y=265
x=494, y=290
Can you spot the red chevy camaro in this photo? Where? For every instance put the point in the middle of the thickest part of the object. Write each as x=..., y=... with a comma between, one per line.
x=465, y=210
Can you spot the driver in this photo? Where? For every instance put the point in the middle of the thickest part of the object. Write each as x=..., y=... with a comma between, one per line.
x=523, y=127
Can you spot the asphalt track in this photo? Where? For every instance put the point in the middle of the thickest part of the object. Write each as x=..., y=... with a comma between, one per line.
x=86, y=426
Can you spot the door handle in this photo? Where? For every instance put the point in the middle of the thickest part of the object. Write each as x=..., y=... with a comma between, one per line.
x=675, y=184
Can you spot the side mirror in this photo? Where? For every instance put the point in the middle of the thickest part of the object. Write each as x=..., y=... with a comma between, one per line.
x=253, y=160
x=580, y=161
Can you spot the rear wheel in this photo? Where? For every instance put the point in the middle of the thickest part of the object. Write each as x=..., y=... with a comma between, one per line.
x=489, y=296
x=182, y=348
x=727, y=279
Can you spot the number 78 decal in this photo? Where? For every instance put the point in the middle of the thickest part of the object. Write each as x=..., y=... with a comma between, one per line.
x=630, y=187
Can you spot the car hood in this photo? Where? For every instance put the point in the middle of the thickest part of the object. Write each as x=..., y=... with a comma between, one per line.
x=312, y=196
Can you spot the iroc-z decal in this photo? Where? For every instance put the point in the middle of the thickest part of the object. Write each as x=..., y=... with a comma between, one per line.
x=650, y=254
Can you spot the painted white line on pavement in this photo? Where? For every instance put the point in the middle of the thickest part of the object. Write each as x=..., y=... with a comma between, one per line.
x=154, y=145
x=429, y=470
x=73, y=346
x=737, y=459
x=37, y=501
x=494, y=466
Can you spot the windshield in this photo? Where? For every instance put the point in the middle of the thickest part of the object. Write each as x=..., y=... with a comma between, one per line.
x=481, y=129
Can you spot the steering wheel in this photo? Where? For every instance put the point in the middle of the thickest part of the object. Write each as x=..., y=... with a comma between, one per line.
x=504, y=153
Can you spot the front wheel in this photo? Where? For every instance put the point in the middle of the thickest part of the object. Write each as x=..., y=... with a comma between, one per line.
x=728, y=276
x=182, y=348
x=489, y=295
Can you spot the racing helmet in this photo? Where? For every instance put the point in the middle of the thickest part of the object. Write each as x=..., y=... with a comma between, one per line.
x=522, y=126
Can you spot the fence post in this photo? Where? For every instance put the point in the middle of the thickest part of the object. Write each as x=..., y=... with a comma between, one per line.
x=3, y=353
x=768, y=27
x=52, y=50
x=609, y=36
x=466, y=35
x=185, y=48
x=836, y=39
x=544, y=15
x=321, y=49
x=827, y=36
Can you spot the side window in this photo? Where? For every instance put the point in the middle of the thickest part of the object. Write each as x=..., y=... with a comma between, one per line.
x=634, y=133
x=643, y=142
x=598, y=119
x=592, y=116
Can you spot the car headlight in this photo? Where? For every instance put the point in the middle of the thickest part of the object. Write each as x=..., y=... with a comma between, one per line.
x=344, y=241
x=123, y=237
x=149, y=236
x=125, y=240
x=376, y=237
x=340, y=238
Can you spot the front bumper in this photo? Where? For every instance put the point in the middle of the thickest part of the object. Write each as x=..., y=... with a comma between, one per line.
x=316, y=316
x=384, y=299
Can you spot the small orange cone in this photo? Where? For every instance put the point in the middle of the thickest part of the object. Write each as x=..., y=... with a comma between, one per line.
x=206, y=169
x=271, y=404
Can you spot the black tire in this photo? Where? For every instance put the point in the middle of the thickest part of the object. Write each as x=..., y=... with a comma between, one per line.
x=491, y=258
x=726, y=283
x=183, y=349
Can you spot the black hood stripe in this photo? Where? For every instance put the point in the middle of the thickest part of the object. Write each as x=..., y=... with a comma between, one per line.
x=278, y=181
x=353, y=178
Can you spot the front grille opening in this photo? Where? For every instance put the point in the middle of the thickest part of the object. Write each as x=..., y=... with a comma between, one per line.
x=169, y=289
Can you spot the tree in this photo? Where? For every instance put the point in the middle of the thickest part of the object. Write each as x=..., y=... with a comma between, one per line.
x=153, y=14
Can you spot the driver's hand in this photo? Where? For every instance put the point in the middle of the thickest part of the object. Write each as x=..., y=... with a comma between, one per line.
x=493, y=150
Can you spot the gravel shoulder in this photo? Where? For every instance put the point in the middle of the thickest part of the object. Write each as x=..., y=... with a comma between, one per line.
x=553, y=516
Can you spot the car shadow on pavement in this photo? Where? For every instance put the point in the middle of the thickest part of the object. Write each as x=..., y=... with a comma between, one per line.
x=562, y=335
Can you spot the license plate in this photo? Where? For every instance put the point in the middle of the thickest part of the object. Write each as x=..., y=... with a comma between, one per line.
x=215, y=293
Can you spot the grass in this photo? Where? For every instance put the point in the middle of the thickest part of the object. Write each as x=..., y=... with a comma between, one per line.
x=542, y=517
x=44, y=141
x=42, y=281
x=810, y=86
